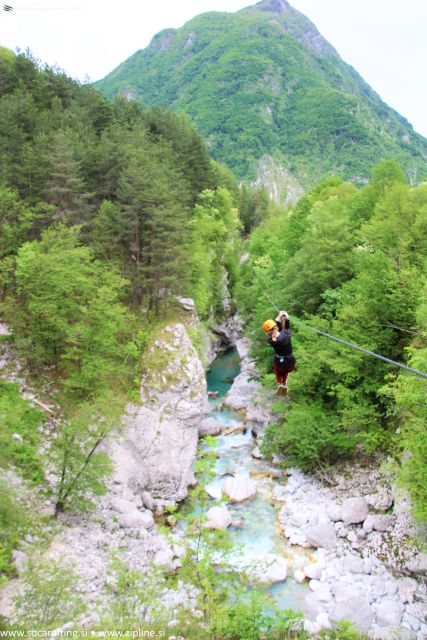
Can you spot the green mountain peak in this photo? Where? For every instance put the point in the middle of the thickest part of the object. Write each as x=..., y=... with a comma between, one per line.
x=266, y=90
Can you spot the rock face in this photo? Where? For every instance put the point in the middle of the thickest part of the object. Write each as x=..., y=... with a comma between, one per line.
x=159, y=442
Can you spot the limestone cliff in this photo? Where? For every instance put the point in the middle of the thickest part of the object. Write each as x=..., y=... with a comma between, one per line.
x=159, y=442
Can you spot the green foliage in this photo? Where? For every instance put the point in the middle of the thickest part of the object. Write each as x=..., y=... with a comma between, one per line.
x=134, y=595
x=247, y=620
x=310, y=435
x=71, y=311
x=354, y=263
x=214, y=241
x=81, y=468
x=13, y=522
x=257, y=85
x=19, y=433
x=50, y=597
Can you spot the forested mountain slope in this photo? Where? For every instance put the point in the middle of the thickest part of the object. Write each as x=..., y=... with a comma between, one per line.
x=263, y=82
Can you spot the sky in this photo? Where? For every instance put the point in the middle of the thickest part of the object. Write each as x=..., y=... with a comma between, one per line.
x=384, y=40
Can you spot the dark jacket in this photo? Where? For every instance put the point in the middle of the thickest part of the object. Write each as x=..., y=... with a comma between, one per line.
x=283, y=344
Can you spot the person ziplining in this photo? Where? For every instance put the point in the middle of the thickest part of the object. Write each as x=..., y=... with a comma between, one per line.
x=279, y=332
x=282, y=344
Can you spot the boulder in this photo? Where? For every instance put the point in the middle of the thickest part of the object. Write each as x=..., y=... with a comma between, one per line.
x=122, y=506
x=187, y=304
x=137, y=520
x=299, y=576
x=389, y=613
x=323, y=592
x=314, y=570
x=239, y=488
x=334, y=512
x=312, y=605
x=209, y=427
x=356, y=610
x=163, y=558
x=321, y=535
x=353, y=564
x=380, y=501
x=218, y=518
x=418, y=565
x=379, y=523
x=354, y=510
x=269, y=569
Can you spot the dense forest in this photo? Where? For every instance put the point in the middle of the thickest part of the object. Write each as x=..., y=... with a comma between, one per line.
x=109, y=214
x=351, y=263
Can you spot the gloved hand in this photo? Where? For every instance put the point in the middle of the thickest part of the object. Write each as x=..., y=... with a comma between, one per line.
x=282, y=315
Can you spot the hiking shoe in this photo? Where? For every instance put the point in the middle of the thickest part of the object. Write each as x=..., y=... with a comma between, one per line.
x=279, y=389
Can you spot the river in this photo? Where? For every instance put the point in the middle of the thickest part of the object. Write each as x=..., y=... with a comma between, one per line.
x=259, y=533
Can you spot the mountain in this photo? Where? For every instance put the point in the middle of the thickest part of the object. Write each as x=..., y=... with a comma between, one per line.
x=272, y=98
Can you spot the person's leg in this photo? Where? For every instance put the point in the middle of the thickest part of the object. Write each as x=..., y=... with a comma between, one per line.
x=277, y=372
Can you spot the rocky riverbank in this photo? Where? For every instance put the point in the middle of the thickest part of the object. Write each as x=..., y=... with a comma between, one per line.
x=365, y=567
x=153, y=456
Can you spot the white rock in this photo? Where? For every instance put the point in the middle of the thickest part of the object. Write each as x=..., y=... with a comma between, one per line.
x=209, y=427
x=321, y=535
x=312, y=627
x=299, y=576
x=353, y=564
x=269, y=569
x=354, y=510
x=20, y=560
x=187, y=304
x=18, y=438
x=407, y=588
x=313, y=606
x=298, y=519
x=218, y=518
x=334, y=512
x=239, y=488
x=379, y=523
x=356, y=610
x=137, y=520
x=256, y=453
x=389, y=613
x=314, y=570
x=323, y=620
x=159, y=443
x=122, y=506
x=380, y=501
x=279, y=493
x=418, y=565
x=314, y=585
x=324, y=593
x=163, y=558
x=412, y=622
x=147, y=500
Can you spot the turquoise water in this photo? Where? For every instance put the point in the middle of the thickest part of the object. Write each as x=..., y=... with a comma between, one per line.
x=222, y=372
x=258, y=533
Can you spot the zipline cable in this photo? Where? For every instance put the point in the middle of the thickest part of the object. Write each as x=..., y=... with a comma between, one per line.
x=353, y=346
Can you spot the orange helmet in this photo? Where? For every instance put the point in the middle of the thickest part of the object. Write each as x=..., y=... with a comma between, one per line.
x=268, y=325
